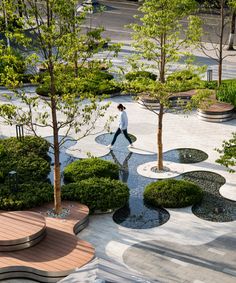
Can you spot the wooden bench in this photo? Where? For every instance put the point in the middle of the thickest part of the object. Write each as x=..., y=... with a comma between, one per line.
x=177, y=99
x=57, y=255
x=216, y=111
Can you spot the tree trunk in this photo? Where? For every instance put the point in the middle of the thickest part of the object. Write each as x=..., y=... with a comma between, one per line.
x=56, y=148
x=232, y=31
x=6, y=22
x=57, y=171
x=220, y=61
x=76, y=68
x=163, y=59
x=220, y=66
x=161, y=111
x=159, y=139
x=76, y=64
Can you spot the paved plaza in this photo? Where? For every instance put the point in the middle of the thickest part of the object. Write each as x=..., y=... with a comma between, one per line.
x=186, y=248
x=168, y=245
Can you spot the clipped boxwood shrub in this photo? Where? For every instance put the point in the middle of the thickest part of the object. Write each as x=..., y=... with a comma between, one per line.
x=28, y=157
x=26, y=146
x=97, y=193
x=89, y=168
x=182, y=75
x=27, y=195
x=185, y=80
x=44, y=90
x=172, y=193
x=30, y=167
x=131, y=76
x=94, y=82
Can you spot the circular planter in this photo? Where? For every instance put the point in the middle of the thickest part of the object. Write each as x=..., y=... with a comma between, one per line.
x=217, y=112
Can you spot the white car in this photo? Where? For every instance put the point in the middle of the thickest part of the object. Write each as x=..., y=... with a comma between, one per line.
x=87, y=5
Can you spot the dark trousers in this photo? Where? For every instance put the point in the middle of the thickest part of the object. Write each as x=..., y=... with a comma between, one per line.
x=117, y=134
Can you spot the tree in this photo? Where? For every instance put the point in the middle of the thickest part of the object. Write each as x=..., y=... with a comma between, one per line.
x=216, y=49
x=161, y=39
x=232, y=5
x=55, y=45
x=228, y=153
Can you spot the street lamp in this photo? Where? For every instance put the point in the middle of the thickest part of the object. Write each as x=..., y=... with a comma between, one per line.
x=13, y=181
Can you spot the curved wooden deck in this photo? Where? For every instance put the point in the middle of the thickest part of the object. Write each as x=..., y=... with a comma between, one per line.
x=217, y=111
x=23, y=229
x=57, y=255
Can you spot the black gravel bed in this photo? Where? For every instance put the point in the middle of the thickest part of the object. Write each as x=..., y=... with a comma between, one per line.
x=213, y=207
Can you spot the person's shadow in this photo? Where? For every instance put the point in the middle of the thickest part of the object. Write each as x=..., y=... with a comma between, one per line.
x=124, y=167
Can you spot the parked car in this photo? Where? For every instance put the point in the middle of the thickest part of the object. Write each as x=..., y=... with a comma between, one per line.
x=87, y=5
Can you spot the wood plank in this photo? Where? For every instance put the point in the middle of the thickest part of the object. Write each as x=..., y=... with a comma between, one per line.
x=59, y=251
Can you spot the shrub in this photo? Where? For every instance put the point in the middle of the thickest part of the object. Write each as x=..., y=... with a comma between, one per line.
x=227, y=92
x=28, y=195
x=11, y=60
x=30, y=167
x=210, y=85
x=44, y=90
x=182, y=75
x=172, y=193
x=26, y=146
x=27, y=157
x=131, y=76
x=97, y=193
x=90, y=167
x=95, y=82
x=185, y=80
x=32, y=78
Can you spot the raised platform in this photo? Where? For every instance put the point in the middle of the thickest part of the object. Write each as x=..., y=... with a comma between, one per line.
x=217, y=112
x=20, y=230
x=177, y=99
x=57, y=255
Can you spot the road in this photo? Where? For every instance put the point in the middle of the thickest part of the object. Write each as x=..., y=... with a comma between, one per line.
x=119, y=13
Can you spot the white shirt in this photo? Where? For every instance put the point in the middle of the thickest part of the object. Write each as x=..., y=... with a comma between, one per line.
x=123, y=123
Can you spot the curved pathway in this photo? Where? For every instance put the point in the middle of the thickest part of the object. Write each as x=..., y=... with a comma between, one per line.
x=214, y=261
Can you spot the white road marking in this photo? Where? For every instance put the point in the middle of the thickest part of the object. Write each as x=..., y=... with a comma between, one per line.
x=115, y=3
x=179, y=262
x=215, y=251
x=108, y=29
x=112, y=12
x=230, y=271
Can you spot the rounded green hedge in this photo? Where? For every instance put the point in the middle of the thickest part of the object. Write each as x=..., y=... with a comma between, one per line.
x=27, y=195
x=95, y=82
x=97, y=193
x=131, y=76
x=28, y=157
x=89, y=168
x=172, y=193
